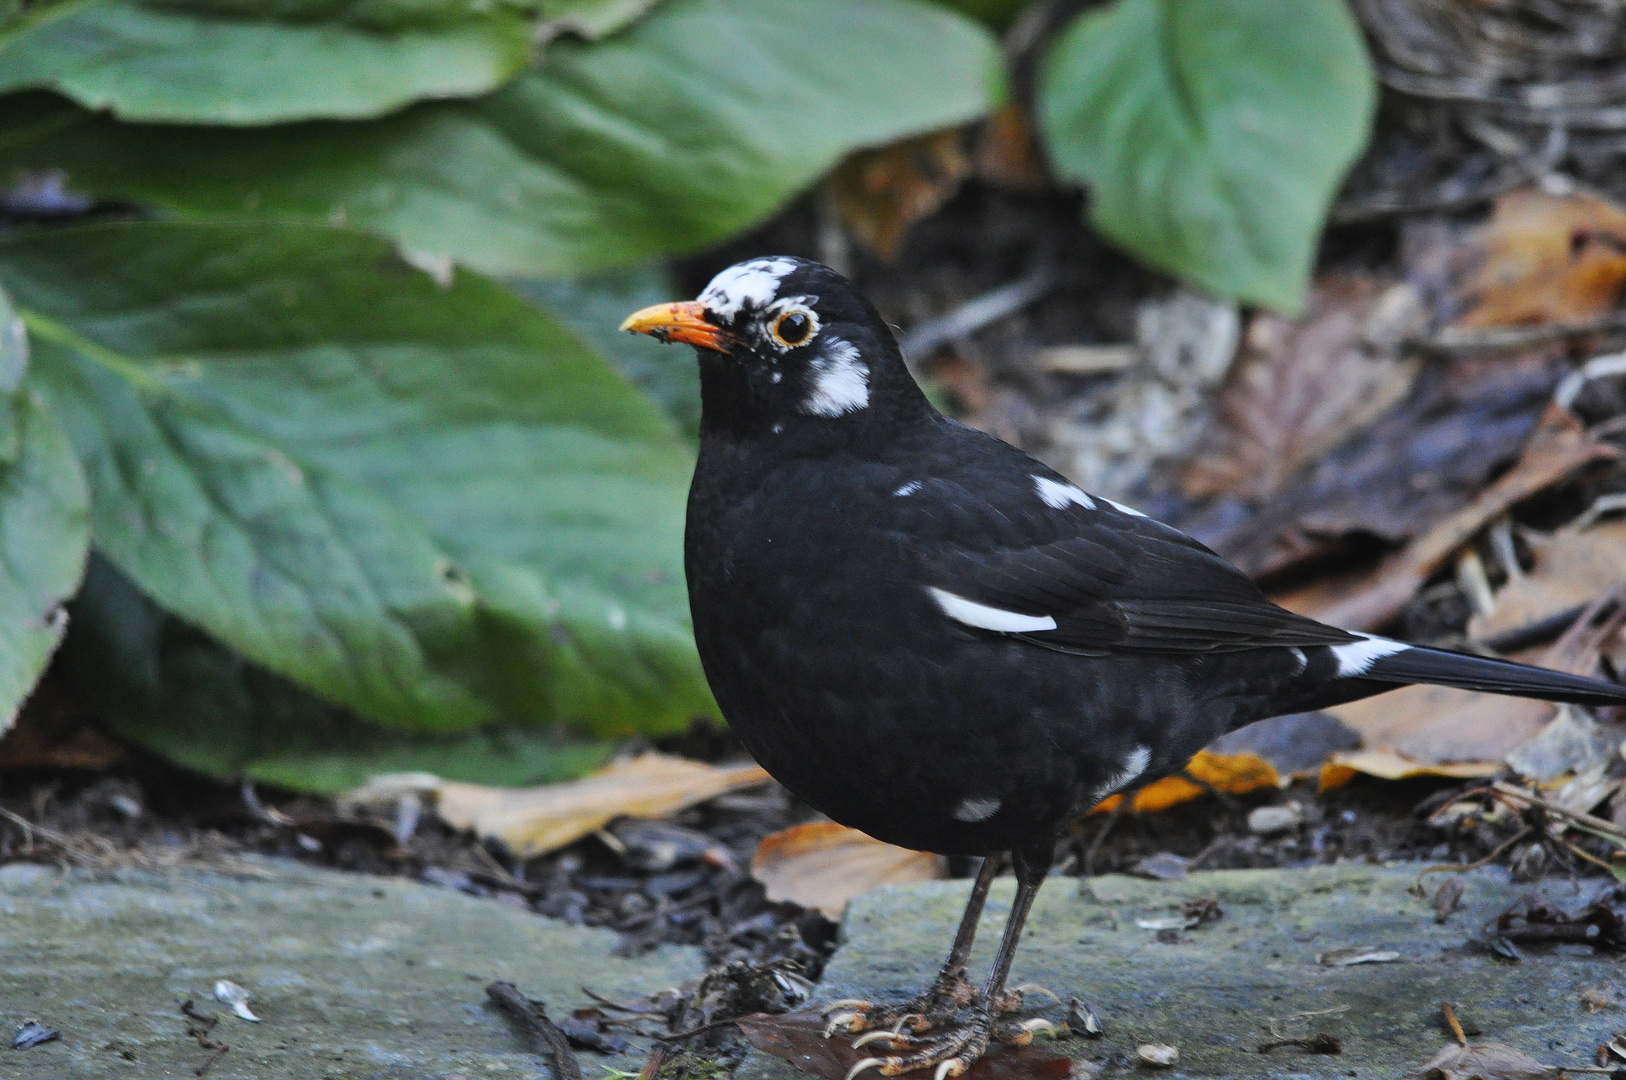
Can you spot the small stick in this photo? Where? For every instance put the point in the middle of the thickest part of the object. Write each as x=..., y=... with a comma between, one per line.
x=1607, y=829
x=1417, y=885
x=532, y=1017
x=713, y=1026
x=1456, y=1025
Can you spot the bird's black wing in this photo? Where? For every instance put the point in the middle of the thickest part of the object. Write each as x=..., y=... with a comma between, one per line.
x=1110, y=579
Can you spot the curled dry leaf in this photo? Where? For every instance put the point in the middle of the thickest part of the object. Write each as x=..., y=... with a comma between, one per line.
x=1351, y=955
x=1572, y=568
x=532, y=821
x=1157, y=1055
x=1547, y=258
x=1434, y=725
x=1298, y=389
x=1387, y=764
x=1482, y=1061
x=1558, y=447
x=229, y=993
x=823, y=865
x=880, y=193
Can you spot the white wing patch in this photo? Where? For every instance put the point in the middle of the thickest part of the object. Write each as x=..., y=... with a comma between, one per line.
x=840, y=380
x=1358, y=656
x=1303, y=661
x=907, y=489
x=1134, y=765
x=753, y=282
x=972, y=811
x=1059, y=496
x=1122, y=509
x=984, y=617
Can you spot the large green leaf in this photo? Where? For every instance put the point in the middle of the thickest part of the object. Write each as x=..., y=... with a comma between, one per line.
x=594, y=306
x=165, y=684
x=678, y=132
x=219, y=65
x=1213, y=133
x=431, y=504
x=44, y=526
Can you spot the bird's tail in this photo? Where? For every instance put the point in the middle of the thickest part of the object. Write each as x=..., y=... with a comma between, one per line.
x=1417, y=664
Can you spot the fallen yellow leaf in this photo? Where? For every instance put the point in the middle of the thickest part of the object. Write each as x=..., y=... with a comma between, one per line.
x=823, y=865
x=532, y=821
x=1386, y=764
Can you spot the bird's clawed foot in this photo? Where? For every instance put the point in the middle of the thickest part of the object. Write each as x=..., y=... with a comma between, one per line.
x=928, y=1032
x=948, y=1049
x=950, y=993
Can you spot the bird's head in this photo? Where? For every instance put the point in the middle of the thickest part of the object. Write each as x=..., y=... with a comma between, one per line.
x=786, y=343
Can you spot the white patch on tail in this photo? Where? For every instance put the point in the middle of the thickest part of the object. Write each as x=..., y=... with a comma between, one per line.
x=1357, y=657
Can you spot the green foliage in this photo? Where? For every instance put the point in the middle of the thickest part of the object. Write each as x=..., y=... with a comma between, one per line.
x=356, y=506
x=44, y=525
x=676, y=133
x=1213, y=133
x=230, y=64
x=179, y=692
x=429, y=503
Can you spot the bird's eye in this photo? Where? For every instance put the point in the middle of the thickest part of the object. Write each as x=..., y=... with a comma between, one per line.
x=793, y=327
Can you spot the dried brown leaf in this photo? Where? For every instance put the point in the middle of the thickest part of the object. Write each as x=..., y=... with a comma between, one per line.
x=531, y=821
x=1434, y=725
x=1387, y=764
x=1007, y=155
x=1298, y=389
x=1547, y=258
x=1482, y=1061
x=880, y=193
x=823, y=865
x=1573, y=568
x=1558, y=447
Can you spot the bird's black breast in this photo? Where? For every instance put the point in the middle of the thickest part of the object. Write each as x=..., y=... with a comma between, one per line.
x=809, y=578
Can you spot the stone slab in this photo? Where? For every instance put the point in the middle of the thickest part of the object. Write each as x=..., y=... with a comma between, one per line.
x=353, y=977
x=1213, y=993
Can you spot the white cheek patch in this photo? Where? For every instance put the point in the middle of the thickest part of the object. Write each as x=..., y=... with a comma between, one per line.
x=840, y=380
x=753, y=282
x=983, y=617
x=1059, y=496
x=972, y=811
x=1359, y=656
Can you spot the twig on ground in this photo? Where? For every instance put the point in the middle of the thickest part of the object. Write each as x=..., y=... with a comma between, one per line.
x=543, y=1033
x=1101, y=837
x=1417, y=884
x=702, y=1029
x=1451, y=340
x=1597, y=826
x=67, y=844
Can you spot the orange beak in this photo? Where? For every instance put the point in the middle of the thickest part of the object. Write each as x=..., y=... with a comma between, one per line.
x=683, y=321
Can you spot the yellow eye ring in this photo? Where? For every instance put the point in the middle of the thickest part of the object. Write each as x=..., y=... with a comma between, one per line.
x=795, y=327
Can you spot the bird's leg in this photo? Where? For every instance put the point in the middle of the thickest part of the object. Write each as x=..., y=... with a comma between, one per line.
x=949, y=992
x=953, y=1048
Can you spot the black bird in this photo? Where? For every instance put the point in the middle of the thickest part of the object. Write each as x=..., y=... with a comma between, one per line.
x=931, y=637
